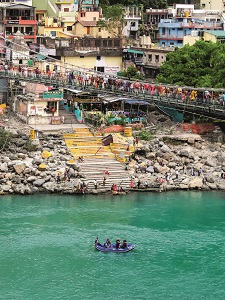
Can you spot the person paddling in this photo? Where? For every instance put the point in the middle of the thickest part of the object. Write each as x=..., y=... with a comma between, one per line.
x=118, y=243
x=97, y=242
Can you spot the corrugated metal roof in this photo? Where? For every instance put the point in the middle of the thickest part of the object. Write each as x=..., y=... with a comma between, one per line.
x=217, y=33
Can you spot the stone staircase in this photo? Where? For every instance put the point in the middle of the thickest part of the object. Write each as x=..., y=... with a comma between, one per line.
x=83, y=143
x=99, y=158
x=69, y=117
x=94, y=169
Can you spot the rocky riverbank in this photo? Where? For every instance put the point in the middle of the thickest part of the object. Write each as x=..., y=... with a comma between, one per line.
x=167, y=162
x=182, y=161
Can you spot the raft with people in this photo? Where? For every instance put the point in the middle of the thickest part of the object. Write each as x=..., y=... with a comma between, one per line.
x=118, y=247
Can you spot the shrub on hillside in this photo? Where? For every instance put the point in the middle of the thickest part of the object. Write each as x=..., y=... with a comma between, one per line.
x=5, y=138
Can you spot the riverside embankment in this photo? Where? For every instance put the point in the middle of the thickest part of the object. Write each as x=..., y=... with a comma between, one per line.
x=179, y=161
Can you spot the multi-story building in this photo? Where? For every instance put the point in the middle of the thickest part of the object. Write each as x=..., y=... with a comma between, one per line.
x=18, y=17
x=10, y=2
x=147, y=60
x=86, y=24
x=186, y=20
x=132, y=18
x=209, y=4
x=153, y=17
x=94, y=54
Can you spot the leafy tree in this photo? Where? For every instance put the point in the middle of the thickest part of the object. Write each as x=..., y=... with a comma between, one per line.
x=200, y=65
x=132, y=73
x=146, y=3
x=5, y=138
x=113, y=20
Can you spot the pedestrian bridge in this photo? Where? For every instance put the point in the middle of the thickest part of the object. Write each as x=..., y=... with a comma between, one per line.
x=211, y=109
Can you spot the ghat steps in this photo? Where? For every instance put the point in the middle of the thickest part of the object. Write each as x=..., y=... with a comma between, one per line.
x=99, y=158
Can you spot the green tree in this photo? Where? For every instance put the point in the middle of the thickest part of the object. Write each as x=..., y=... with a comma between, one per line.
x=5, y=138
x=146, y=3
x=113, y=20
x=198, y=65
x=132, y=73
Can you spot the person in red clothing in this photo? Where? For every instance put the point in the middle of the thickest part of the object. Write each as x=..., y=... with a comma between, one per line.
x=53, y=111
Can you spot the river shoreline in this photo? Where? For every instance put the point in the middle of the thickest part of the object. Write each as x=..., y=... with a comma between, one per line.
x=167, y=162
x=171, y=160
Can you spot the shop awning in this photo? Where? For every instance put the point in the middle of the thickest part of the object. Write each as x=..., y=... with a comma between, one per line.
x=39, y=57
x=134, y=102
x=133, y=51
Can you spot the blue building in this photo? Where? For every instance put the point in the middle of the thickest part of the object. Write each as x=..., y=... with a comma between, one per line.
x=185, y=20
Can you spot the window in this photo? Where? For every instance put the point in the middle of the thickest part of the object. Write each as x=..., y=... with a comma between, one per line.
x=69, y=28
x=150, y=57
x=66, y=9
x=156, y=58
x=99, y=69
x=94, y=18
x=99, y=30
x=98, y=57
x=53, y=33
x=82, y=56
x=82, y=14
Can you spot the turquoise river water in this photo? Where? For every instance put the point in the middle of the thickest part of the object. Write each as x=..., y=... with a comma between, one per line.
x=47, y=246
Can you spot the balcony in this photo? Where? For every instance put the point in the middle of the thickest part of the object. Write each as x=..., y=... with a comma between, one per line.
x=20, y=20
x=189, y=24
x=170, y=37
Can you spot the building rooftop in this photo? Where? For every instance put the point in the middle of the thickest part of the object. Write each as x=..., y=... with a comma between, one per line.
x=217, y=33
x=87, y=23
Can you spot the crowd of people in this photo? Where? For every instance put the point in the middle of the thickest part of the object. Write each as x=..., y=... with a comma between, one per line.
x=112, y=83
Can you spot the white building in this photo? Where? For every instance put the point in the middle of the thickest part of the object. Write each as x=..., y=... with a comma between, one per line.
x=19, y=50
x=132, y=18
x=213, y=5
x=10, y=2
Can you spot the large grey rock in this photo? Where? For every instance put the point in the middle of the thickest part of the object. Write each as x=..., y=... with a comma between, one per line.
x=21, y=155
x=165, y=148
x=22, y=189
x=63, y=158
x=150, y=155
x=212, y=186
x=196, y=182
x=4, y=167
x=186, y=181
x=184, y=153
x=19, y=168
x=183, y=186
x=5, y=188
x=37, y=161
x=16, y=179
x=221, y=185
x=50, y=186
x=172, y=164
x=31, y=178
x=210, y=178
x=211, y=162
x=39, y=182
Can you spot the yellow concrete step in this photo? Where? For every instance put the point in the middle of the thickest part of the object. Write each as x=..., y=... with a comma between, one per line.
x=70, y=143
x=83, y=129
x=98, y=156
x=91, y=151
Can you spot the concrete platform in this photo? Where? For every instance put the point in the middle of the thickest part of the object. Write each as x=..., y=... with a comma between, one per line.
x=56, y=128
